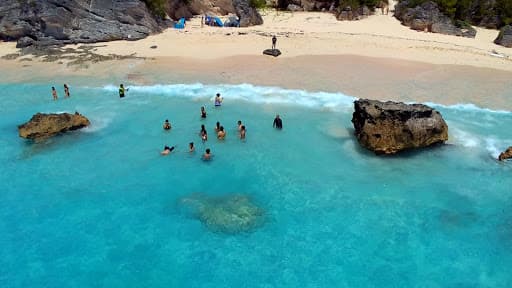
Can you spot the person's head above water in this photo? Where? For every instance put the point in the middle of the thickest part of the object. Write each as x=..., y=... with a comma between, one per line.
x=218, y=94
x=239, y=122
x=53, y=88
x=207, y=150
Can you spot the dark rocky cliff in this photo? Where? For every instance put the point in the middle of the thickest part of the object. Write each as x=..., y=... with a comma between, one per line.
x=49, y=22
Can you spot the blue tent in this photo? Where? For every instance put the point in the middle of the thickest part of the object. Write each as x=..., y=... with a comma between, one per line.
x=218, y=22
x=180, y=24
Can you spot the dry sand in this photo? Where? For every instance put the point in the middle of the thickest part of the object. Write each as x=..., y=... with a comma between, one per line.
x=374, y=58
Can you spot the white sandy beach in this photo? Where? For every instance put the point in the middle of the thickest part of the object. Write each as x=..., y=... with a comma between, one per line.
x=376, y=58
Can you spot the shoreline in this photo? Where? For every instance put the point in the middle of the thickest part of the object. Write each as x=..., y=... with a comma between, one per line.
x=374, y=58
x=357, y=76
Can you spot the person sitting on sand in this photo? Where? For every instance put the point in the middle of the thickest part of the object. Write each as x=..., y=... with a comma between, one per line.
x=242, y=132
x=191, y=147
x=221, y=134
x=203, y=134
x=218, y=100
x=203, y=112
x=54, y=94
x=217, y=127
x=207, y=155
x=278, y=123
x=167, y=150
x=66, y=91
x=167, y=125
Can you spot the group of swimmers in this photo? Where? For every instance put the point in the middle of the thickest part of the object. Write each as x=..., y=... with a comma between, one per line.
x=221, y=133
x=66, y=92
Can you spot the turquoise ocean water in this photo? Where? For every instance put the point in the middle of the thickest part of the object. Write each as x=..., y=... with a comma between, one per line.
x=100, y=207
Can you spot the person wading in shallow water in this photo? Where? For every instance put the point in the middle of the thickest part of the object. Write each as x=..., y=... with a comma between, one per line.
x=54, y=94
x=66, y=90
x=274, y=41
x=121, y=91
x=278, y=123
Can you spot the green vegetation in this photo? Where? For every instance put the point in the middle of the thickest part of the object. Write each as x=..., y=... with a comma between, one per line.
x=156, y=6
x=473, y=10
x=259, y=4
x=355, y=4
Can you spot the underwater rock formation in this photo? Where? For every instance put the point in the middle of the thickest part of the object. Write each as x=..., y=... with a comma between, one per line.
x=230, y=214
x=390, y=127
x=42, y=126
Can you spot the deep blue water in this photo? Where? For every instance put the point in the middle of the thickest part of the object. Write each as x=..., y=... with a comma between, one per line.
x=100, y=207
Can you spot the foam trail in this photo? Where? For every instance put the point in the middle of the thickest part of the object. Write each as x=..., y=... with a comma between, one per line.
x=249, y=93
x=466, y=107
x=273, y=95
x=463, y=138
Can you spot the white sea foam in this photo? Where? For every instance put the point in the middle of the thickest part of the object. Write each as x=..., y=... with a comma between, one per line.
x=272, y=95
x=466, y=107
x=250, y=93
x=491, y=145
x=463, y=138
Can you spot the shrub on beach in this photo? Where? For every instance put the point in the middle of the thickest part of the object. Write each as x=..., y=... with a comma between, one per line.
x=156, y=6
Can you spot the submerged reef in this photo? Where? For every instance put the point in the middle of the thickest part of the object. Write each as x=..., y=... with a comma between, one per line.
x=230, y=214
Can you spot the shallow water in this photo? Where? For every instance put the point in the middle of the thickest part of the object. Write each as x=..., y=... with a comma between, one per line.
x=100, y=207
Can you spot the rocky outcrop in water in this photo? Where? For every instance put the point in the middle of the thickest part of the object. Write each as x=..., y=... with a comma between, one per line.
x=42, y=126
x=229, y=214
x=428, y=17
x=49, y=22
x=390, y=127
x=247, y=14
x=505, y=37
x=507, y=154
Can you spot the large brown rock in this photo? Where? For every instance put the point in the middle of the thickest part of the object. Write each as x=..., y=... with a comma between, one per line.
x=42, y=126
x=507, y=154
x=390, y=127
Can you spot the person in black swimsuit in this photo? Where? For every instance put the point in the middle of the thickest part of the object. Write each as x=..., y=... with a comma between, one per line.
x=203, y=112
x=167, y=150
x=278, y=123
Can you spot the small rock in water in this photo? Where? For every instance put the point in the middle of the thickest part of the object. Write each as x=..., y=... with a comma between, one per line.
x=507, y=154
x=230, y=214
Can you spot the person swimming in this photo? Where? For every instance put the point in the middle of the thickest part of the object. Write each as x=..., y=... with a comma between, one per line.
x=207, y=155
x=203, y=134
x=242, y=132
x=221, y=134
x=167, y=125
x=218, y=100
x=191, y=147
x=203, y=112
x=167, y=150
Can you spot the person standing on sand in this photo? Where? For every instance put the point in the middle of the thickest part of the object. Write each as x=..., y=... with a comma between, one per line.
x=278, y=123
x=274, y=41
x=54, y=94
x=66, y=91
